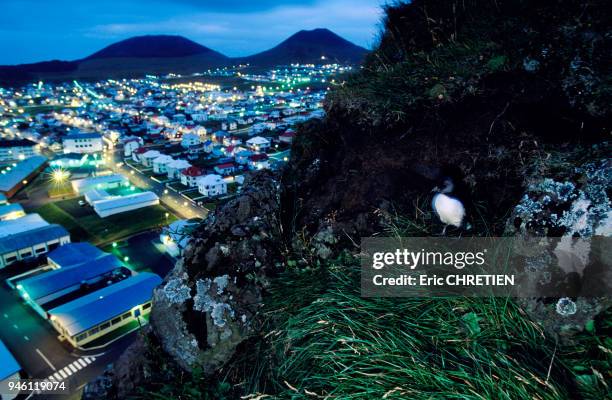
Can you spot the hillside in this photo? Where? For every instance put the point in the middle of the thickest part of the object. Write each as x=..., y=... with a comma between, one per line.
x=309, y=47
x=162, y=54
x=154, y=46
x=509, y=98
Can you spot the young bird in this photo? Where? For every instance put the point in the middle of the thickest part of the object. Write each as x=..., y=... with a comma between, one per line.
x=449, y=209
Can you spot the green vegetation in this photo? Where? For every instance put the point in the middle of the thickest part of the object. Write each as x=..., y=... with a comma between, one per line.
x=332, y=343
x=85, y=225
x=60, y=190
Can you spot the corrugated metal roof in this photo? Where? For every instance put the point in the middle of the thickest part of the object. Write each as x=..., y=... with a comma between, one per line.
x=10, y=208
x=53, y=281
x=8, y=365
x=22, y=224
x=74, y=253
x=17, y=174
x=81, y=185
x=95, y=308
x=31, y=238
x=123, y=201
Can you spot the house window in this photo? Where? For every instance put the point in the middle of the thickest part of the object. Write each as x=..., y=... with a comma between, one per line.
x=116, y=320
x=93, y=331
x=10, y=259
x=146, y=306
x=126, y=315
x=53, y=246
x=104, y=326
x=26, y=254
x=41, y=250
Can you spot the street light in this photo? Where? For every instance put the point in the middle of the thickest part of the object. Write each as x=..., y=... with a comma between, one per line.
x=59, y=175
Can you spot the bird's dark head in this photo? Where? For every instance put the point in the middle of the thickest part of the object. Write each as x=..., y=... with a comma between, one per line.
x=447, y=186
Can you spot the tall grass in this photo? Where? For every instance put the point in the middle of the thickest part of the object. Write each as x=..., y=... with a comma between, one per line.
x=329, y=342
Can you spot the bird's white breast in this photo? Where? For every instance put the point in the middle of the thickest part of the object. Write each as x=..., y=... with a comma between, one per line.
x=449, y=210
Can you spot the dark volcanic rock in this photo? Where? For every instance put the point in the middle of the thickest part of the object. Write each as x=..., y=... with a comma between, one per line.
x=209, y=303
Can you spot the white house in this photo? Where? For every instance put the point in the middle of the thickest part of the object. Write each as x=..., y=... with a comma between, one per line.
x=160, y=164
x=199, y=117
x=230, y=125
x=190, y=139
x=190, y=175
x=258, y=143
x=82, y=143
x=131, y=144
x=174, y=168
x=147, y=158
x=211, y=185
x=225, y=169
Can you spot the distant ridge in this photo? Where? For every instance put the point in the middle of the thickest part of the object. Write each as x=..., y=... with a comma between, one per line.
x=310, y=46
x=154, y=46
x=161, y=54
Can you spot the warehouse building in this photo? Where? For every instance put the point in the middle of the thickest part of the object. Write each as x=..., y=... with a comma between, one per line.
x=11, y=211
x=9, y=368
x=29, y=244
x=80, y=186
x=17, y=149
x=16, y=176
x=28, y=237
x=114, y=205
x=99, y=313
x=79, y=268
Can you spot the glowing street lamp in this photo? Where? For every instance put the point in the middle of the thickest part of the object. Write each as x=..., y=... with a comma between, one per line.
x=59, y=176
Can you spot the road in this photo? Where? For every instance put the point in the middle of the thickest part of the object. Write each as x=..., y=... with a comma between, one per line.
x=34, y=344
x=174, y=201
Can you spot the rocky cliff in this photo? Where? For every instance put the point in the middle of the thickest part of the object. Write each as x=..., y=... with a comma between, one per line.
x=512, y=99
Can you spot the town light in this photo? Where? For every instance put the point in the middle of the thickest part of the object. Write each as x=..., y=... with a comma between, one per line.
x=59, y=175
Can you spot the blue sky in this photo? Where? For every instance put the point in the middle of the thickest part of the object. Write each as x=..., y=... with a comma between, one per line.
x=37, y=30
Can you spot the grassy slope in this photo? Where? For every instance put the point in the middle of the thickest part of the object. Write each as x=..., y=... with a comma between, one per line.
x=332, y=343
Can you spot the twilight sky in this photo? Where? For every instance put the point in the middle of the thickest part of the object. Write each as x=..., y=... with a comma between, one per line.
x=38, y=30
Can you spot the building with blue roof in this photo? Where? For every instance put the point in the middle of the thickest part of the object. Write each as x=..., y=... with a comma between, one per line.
x=101, y=312
x=31, y=243
x=11, y=211
x=16, y=176
x=9, y=367
x=49, y=289
x=72, y=254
